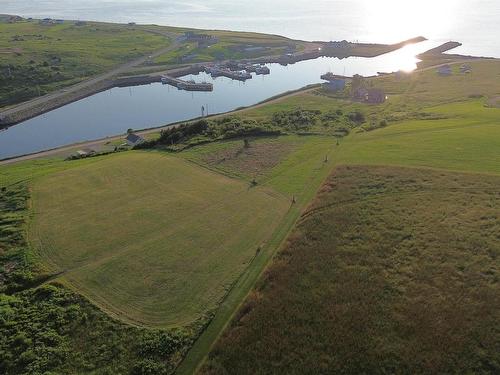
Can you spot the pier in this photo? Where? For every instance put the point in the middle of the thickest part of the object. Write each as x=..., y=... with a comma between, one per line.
x=224, y=71
x=186, y=85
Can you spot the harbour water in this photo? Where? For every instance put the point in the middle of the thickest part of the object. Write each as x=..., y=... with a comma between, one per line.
x=475, y=23
x=114, y=111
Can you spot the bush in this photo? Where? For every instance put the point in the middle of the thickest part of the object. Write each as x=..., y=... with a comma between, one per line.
x=357, y=117
x=298, y=119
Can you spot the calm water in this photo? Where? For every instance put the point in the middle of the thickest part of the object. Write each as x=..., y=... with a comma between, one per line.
x=114, y=111
x=476, y=23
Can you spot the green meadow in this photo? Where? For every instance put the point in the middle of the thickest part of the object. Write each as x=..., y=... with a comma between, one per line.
x=467, y=140
x=150, y=238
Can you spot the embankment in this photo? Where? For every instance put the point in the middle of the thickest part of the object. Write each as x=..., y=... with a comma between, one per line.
x=51, y=103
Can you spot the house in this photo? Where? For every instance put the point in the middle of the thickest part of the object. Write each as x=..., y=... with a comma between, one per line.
x=376, y=96
x=14, y=19
x=46, y=21
x=444, y=70
x=372, y=96
x=59, y=22
x=360, y=94
x=134, y=140
x=201, y=39
x=336, y=84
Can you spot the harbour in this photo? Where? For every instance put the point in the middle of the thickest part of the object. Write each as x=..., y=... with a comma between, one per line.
x=142, y=102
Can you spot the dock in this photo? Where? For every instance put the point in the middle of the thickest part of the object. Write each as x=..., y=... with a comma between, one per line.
x=223, y=71
x=186, y=85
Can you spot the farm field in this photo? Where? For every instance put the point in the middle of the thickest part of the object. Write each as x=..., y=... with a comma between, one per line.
x=390, y=269
x=151, y=239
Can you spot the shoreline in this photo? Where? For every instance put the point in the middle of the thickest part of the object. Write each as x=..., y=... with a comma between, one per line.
x=118, y=78
x=16, y=114
x=102, y=141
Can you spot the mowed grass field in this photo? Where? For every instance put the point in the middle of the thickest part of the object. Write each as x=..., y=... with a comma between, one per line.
x=391, y=270
x=151, y=239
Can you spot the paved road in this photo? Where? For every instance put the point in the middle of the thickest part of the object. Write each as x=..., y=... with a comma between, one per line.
x=92, y=81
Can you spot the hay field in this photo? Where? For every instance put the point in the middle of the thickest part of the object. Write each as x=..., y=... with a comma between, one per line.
x=151, y=239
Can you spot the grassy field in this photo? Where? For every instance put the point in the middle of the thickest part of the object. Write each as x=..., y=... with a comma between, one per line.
x=299, y=174
x=391, y=270
x=468, y=140
x=97, y=253
x=149, y=238
x=46, y=57
x=166, y=239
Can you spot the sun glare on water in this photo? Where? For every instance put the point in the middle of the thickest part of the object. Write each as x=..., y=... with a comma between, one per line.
x=392, y=21
x=396, y=20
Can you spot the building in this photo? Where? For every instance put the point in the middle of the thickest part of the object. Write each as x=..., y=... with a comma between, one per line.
x=201, y=39
x=46, y=21
x=335, y=82
x=134, y=140
x=344, y=44
x=360, y=94
x=14, y=19
x=444, y=70
x=335, y=85
x=372, y=96
x=376, y=96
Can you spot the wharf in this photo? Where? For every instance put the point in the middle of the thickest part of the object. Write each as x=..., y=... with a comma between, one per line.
x=186, y=85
